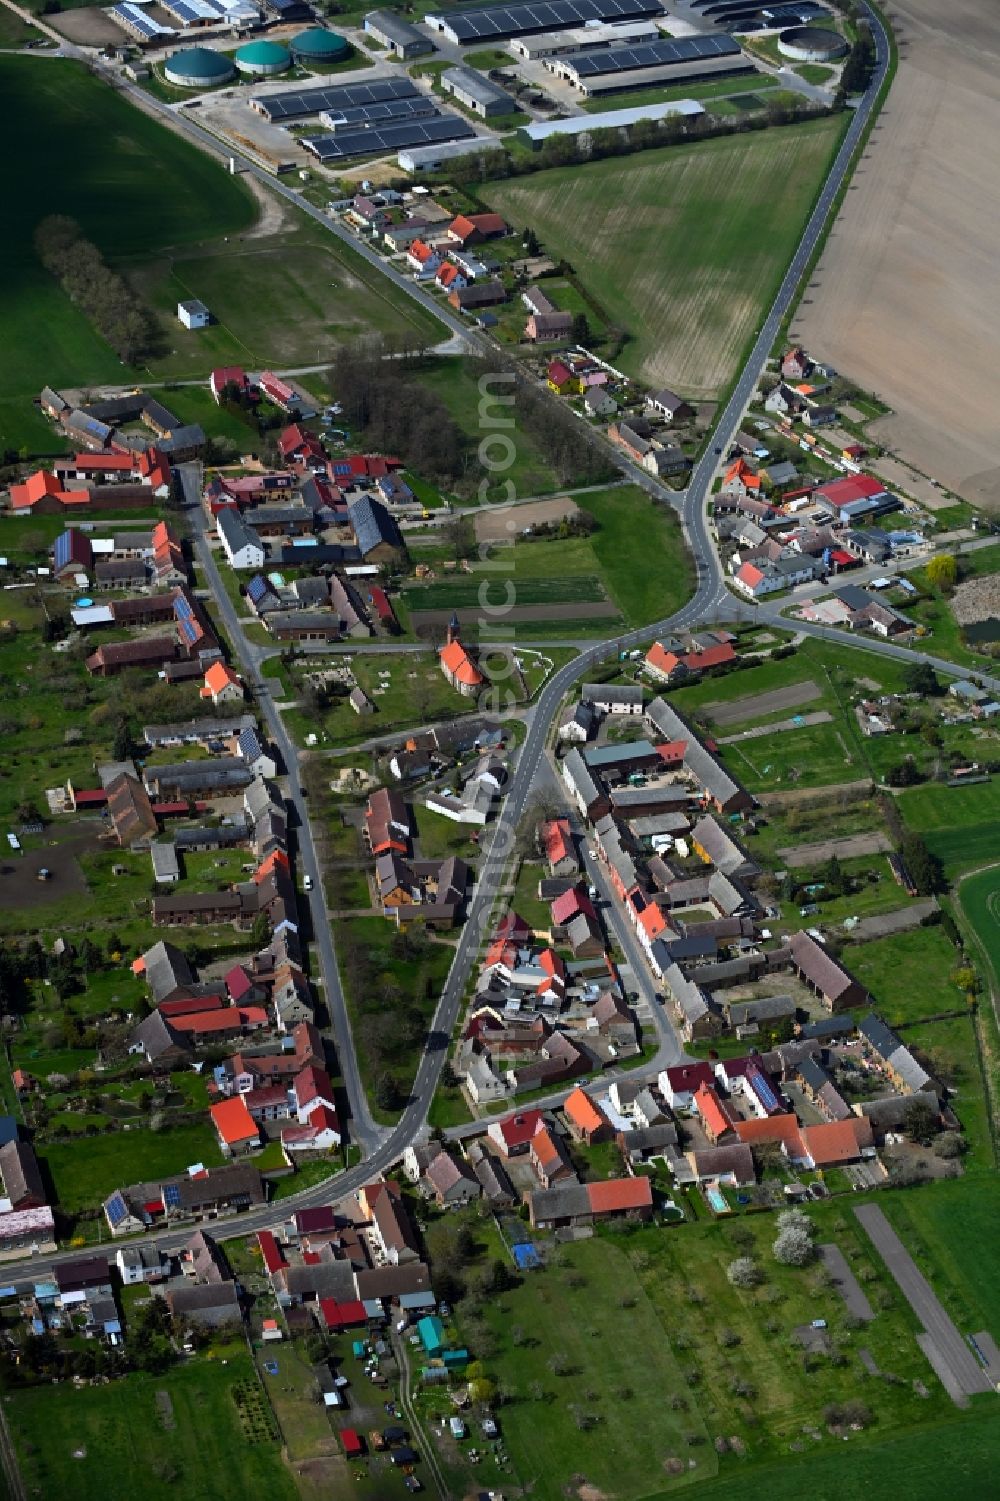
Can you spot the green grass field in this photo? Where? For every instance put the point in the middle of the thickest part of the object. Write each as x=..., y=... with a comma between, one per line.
x=979, y=897
x=595, y=1315
x=670, y=242
x=284, y=298
x=85, y=1172
x=907, y=1464
x=636, y=557
x=908, y=974
x=960, y=824
x=946, y=1227
x=117, y=193
x=92, y=1443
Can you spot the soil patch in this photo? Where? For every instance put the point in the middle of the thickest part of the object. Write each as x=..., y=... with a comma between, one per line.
x=847, y=848
x=22, y=889
x=90, y=27
x=806, y=794
x=912, y=255
x=496, y=524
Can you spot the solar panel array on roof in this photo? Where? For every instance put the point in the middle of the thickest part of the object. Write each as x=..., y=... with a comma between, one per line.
x=195, y=10
x=294, y=104
x=172, y=1195
x=136, y=20
x=116, y=1209
x=546, y=15
x=390, y=137
x=372, y=114
x=651, y=54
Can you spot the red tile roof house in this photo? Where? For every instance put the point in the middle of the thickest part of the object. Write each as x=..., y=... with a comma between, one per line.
x=387, y=823
x=512, y=1135
x=583, y=1203
x=228, y=375
x=473, y=229
x=310, y=1088
x=235, y=1127
x=571, y=904
x=668, y=667
x=549, y=1159
x=320, y=1133
x=586, y=1121
x=717, y=1118
x=557, y=842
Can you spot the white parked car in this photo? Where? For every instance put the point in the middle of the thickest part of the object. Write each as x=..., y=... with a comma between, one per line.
x=307, y=883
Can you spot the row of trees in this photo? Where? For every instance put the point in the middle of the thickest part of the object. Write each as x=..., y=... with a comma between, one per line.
x=597, y=144
x=101, y=293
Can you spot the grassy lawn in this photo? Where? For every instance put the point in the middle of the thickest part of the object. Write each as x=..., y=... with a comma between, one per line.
x=84, y=1173
x=960, y=824
x=415, y=692
x=908, y=974
x=390, y=999
x=63, y=110
x=783, y=1400
x=122, y=1429
x=526, y=901
x=945, y=1227
x=951, y=1054
x=909, y=1464
x=668, y=244
x=319, y=292
x=719, y=88
x=594, y=1314
x=979, y=898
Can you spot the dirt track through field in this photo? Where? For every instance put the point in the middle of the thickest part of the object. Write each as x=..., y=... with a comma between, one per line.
x=599, y=610
x=906, y=298
x=951, y=1357
x=755, y=706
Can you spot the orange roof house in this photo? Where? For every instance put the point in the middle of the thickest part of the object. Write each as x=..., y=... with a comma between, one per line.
x=740, y=475
x=221, y=684
x=45, y=492
x=234, y=1125
x=621, y=1196
x=549, y=1158
x=781, y=1129
x=586, y=1122
x=459, y=668
x=470, y=229
x=837, y=1142
x=716, y=1116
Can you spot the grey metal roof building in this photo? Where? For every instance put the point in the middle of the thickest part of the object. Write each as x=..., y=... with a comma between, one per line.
x=165, y=867
x=476, y=91
x=397, y=34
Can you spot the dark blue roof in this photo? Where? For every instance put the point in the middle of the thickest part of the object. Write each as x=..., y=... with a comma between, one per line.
x=8, y=1129
x=372, y=525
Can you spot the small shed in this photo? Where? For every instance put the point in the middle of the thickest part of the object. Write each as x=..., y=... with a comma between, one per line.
x=431, y=1332
x=353, y=1443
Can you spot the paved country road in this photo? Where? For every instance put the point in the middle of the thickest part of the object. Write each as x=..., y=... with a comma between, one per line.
x=384, y=1147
